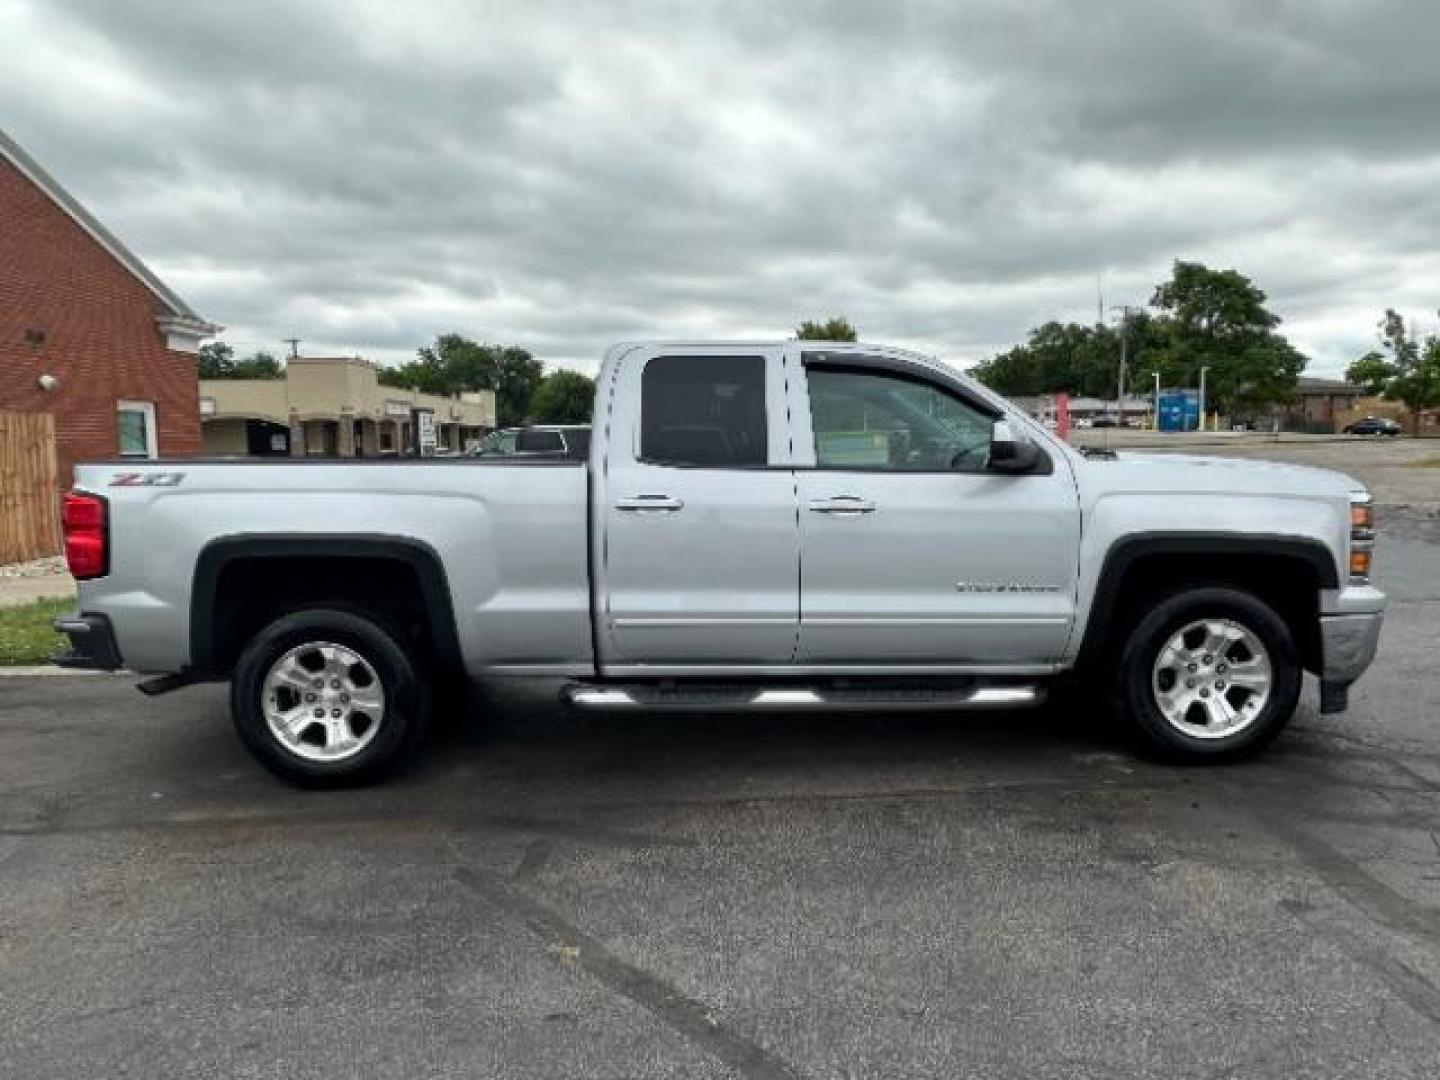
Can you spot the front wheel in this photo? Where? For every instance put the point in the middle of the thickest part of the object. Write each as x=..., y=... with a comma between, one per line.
x=327, y=697
x=1211, y=674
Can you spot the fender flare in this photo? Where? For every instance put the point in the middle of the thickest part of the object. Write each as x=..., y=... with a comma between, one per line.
x=416, y=554
x=1125, y=552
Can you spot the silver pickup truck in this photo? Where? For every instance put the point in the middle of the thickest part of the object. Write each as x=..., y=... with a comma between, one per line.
x=792, y=525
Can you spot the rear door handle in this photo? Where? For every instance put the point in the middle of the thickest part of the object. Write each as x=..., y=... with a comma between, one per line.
x=649, y=503
x=842, y=504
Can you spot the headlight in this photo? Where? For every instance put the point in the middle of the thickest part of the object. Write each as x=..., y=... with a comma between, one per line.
x=1362, y=537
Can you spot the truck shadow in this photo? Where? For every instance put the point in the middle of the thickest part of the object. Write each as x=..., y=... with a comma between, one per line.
x=535, y=723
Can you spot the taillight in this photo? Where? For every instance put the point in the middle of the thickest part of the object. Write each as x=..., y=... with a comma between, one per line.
x=83, y=521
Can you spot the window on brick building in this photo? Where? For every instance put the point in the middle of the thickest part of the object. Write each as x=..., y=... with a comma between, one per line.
x=137, y=428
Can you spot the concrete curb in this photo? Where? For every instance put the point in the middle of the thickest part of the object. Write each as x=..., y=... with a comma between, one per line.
x=23, y=670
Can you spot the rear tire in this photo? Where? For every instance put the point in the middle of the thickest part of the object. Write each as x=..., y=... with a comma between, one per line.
x=328, y=697
x=1211, y=675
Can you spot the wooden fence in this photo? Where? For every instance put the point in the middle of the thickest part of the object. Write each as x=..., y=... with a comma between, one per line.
x=29, y=488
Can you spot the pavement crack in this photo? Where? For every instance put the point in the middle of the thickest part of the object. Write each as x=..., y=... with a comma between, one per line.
x=598, y=835
x=1407, y=984
x=1378, y=902
x=683, y=1015
x=1362, y=889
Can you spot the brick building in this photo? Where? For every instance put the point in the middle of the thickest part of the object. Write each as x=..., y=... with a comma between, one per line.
x=1321, y=406
x=88, y=333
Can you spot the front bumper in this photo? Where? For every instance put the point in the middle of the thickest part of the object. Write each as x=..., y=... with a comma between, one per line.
x=92, y=643
x=1348, y=643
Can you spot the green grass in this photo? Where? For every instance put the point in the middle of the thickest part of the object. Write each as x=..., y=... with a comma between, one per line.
x=26, y=636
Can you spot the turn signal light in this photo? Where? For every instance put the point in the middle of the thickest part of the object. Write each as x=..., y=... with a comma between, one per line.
x=84, y=522
x=1360, y=564
x=1362, y=537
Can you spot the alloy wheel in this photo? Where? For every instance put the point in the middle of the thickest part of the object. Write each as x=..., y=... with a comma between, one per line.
x=323, y=701
x=1212, y=678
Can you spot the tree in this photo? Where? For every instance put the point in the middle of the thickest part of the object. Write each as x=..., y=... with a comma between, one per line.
x=455, y=364
x=1218, y=319
x=563, y=397
x=1060, y=357
x=1411, y=371
x=1220, y=305
x=259, y=365
x=1214, y=319
x=1372, y=371
x=836, y=328
x=216, y=360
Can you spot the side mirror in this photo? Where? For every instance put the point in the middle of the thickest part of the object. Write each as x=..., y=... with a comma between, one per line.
x=1010, y=453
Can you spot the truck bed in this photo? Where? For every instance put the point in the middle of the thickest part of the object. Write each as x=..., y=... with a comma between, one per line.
x=512, y=541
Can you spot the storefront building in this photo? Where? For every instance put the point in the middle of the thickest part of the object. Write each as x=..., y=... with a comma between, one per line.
x=336, y=407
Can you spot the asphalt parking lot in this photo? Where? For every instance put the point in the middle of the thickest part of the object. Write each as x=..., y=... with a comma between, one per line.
x=552, y=896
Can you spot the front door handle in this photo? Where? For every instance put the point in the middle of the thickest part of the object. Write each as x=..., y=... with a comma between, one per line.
x=842, y=504
x=648, y=503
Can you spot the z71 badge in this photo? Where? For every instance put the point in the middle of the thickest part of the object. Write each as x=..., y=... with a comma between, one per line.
x=147, y=479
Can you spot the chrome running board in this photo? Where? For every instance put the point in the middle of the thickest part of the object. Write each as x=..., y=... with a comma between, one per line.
x=722, y=698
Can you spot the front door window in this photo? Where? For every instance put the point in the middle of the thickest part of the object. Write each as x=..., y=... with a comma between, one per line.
x=874, y=420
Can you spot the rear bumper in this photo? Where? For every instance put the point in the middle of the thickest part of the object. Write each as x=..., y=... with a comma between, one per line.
x=92, y=643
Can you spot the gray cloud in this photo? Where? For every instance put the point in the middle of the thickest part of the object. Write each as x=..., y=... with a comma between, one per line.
x=367, y=174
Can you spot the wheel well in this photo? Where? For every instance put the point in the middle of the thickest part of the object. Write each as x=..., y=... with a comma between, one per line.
x=1289, y=584
x=237, y=594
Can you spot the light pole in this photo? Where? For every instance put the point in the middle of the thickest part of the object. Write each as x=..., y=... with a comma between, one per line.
x=1157, y=399
x=1203, y=370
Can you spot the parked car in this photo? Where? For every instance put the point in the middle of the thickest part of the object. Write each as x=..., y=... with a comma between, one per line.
x=557, y=440
x=1374, y=425
x=780, y=526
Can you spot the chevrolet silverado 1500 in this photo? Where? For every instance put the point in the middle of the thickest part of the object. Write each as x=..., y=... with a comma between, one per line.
x=797, y=525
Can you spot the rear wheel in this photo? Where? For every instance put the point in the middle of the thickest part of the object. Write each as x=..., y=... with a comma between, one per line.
x=328, y=697
x=1211, y=674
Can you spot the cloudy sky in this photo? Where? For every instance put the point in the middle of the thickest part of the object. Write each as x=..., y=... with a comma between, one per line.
x=365, y=174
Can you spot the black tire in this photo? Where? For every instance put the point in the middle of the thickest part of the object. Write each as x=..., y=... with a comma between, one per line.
x=405, y=692
x=1137, y=703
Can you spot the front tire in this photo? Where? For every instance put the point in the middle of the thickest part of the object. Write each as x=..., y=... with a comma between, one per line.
x=327, y=697
x=1211, y=675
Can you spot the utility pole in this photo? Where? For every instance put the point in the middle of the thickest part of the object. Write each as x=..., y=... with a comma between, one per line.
x=1203, y=370
x=294, y=346
x=1125, y=312
x=1157, y=399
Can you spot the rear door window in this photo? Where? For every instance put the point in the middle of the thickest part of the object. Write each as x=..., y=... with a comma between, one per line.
x=704, y=411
